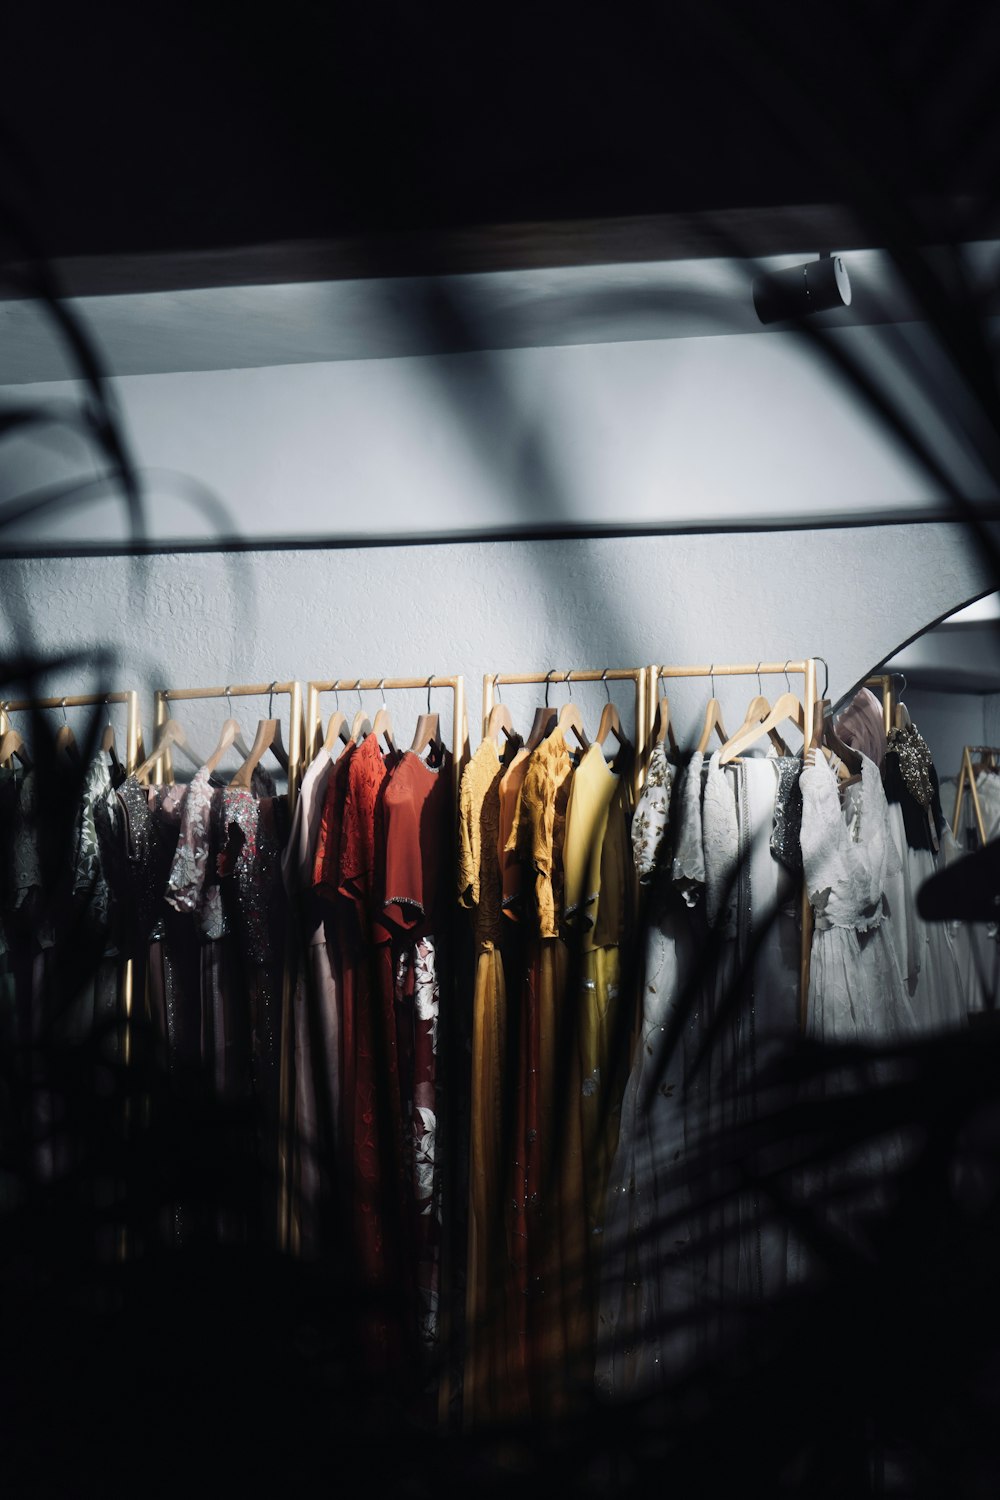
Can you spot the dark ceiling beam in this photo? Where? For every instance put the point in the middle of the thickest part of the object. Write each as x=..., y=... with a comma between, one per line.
x=744, y=232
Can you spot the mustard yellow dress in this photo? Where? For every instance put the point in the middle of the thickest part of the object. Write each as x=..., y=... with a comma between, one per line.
x=549, y=1221
x=597, y=891
x=494, y=1362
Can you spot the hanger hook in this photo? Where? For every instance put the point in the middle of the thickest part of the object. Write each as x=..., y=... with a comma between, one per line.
x=63, y=707
x=430, y=684
x=826, y=676
x=760, y=688
x=548, y=679
x=711, y=673
x=604, y=679
x=270, y=700
x=336, y=697
x=229, y=701
x=357, y=689
x=381, y=688
x=788, y=685
x=901, y=690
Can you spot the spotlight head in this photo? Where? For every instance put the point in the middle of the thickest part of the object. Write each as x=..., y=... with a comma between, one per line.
x=816, y=286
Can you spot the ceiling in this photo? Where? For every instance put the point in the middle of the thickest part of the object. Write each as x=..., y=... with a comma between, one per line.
x=187, y=128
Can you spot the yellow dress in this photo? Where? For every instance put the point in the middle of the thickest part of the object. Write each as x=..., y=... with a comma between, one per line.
x=492, y=1363
x=548, y=1208
x=598, y=884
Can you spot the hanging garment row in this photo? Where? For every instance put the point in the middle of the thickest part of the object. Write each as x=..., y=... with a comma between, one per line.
x=351, y=1041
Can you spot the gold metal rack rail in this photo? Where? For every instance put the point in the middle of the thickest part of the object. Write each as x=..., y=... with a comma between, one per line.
x=635, y=675
x=454, y=684
x=806, y=669
x=133, y=724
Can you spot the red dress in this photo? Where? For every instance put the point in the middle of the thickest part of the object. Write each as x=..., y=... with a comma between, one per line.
x=370, y=1089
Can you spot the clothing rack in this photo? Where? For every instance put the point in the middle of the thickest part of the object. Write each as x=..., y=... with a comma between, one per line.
x=806, y=668
x=967, y=778
x=635, y=675
x=291, y=690
x=164, y=771
x=454, y=684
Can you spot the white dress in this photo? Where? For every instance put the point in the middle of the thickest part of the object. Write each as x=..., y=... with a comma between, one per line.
x=856, y=992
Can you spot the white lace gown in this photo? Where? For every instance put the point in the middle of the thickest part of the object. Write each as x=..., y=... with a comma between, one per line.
x=926, y=952
x=856, y=991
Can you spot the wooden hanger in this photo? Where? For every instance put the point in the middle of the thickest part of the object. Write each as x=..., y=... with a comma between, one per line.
x=569, y=719
x=900, y=713
x=267, y=730
x=277, y=745
x=361, y=727
x=65, y=743
x=713, y=720
x=786, y=707
x=544, y=722
x=383, y=723
x=362, y=724
x=500, y=721
x=757, y=710
x=229, y=735
x=11, y=745
x=336, y=730
x=428, y=731
x=824, y=740
x=171, y=735
x=610, y=720
x=662, y=727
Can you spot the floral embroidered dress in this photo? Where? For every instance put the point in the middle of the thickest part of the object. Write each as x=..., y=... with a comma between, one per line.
x=647, y=1274
x=224, y=875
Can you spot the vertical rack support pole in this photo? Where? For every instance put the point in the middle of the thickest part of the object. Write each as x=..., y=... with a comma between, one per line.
x=809, y=706
x=163, y=770
x=312, y=738
x=286, y=1058
x=487, y=702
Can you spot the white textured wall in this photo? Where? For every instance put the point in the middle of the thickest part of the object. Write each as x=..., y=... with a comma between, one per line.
x=662, y=431
x=850, y=596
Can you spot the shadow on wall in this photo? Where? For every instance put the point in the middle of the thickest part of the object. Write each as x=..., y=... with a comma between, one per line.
x=148, y=1294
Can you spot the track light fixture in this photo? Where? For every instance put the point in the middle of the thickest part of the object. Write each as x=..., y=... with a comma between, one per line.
x=816, y=286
